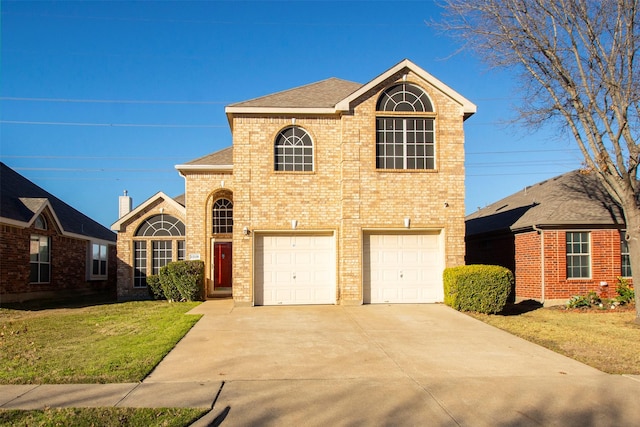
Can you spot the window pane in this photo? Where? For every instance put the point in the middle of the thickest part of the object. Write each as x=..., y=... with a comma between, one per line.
x=34, y=275
x=44, y=249
x=44, y=273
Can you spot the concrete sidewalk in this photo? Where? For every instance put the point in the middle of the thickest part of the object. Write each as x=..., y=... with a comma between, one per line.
x=365, y=365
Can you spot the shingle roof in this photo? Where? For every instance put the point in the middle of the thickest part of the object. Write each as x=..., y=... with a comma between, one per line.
x=573, y=199
x=20, y=199
x=323, y=94
x=181, y=199
x=222, y=157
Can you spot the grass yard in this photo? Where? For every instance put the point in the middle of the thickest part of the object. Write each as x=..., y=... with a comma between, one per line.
x=89, y=417
x=108, y=343
x=608, y=340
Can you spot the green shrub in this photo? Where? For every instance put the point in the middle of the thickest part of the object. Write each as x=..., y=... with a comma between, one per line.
x=579, y=301
x=182, y=280
x=155, y=289
x=169, y=288
x=479, y=288
x=188, y=277
x=626, y=295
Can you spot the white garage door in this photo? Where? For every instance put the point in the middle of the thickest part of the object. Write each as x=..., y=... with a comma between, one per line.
x=295, y=269
x=403, y=268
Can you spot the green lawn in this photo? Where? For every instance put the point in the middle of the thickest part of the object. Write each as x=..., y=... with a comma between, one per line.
x=608, y=340
x=104, y=417
x=108, y=343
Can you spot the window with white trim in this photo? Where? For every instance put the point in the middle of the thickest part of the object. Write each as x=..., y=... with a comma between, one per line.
x=405, y=140
x=293, y=150
x=223, y=216
x=140, y=264
x=625, y=260
x=578, y=255
x=99, y=255
x=40, y=259
x=158, y=241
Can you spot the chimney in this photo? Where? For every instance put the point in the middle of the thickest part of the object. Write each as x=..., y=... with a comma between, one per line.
x=124, y=205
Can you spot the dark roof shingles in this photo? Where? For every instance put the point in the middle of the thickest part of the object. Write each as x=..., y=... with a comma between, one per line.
x=14, y=187
x=575, y=198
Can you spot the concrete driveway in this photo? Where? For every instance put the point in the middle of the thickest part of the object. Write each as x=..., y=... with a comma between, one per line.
x=386, y=365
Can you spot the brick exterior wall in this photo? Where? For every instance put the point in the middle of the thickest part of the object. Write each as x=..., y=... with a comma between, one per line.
x=69, y=269
x=125, y=247
x=551, y=285
x=202, y=190
x=345, y=194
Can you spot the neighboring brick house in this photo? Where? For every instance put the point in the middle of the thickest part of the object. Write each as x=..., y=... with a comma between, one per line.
x=333, y=193
x=561, y=237
x=49, y=250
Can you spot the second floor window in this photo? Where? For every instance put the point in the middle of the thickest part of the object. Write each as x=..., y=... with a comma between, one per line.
x=293, y=150
x=405, y=139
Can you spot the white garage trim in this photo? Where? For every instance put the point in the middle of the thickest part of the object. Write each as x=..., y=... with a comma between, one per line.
x=294, y=268
x=403, y=266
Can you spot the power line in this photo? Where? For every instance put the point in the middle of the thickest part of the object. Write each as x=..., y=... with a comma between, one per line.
x=143, y=125
x=110, y=101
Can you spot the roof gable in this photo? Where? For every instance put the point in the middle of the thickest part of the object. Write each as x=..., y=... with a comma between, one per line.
x=467, y=107
x=573, y=199
x=334, y=95
x=120, y=224
x=21, y=201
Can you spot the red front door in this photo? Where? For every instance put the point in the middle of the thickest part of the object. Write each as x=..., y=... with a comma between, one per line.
x=222, y=265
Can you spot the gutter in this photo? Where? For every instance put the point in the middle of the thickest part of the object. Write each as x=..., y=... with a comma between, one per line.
x=542, y=279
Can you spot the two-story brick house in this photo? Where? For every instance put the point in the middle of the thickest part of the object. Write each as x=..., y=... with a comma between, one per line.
x=334, y=192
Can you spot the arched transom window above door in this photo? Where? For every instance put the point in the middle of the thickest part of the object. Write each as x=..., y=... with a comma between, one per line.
x=405, y=129
x=293, y=150
x=222, y=216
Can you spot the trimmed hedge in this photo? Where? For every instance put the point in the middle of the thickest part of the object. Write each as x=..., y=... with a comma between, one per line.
x=155, y=288
x=479, y=288
x=182, y=280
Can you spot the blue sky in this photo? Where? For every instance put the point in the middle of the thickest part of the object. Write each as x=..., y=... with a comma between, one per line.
x=101, y=97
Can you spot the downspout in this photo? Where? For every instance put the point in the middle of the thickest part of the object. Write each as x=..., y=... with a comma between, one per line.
x=541, y=233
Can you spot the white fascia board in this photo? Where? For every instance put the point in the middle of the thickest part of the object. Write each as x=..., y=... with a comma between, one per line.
x=53, y=214
x=279, y=110
x=204, y=168
x=159, y=195
x=21, y=224
x=13, y=222
x=468, y=108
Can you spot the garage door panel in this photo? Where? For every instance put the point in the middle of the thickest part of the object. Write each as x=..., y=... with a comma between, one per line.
x=403, y=268
x=295, y=269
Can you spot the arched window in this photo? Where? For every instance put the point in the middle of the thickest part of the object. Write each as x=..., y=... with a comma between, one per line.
x=158, y=241
x=293, y=150
x=405, y=142
x=40, y=223
x=161, y=225
x=222, y=216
